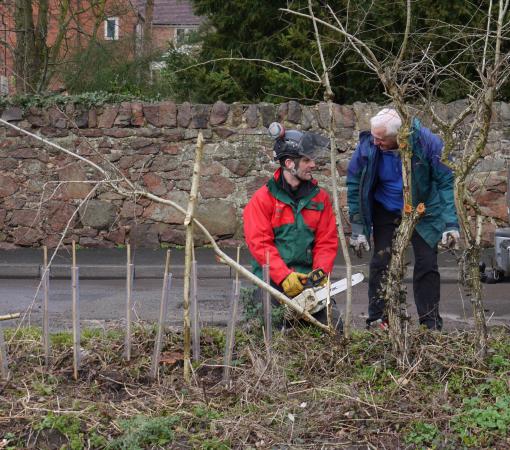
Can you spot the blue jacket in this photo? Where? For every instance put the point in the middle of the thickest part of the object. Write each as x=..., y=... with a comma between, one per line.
x=431, y=184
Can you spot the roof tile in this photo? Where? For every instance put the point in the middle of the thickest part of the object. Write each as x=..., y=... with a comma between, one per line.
x=171, y=12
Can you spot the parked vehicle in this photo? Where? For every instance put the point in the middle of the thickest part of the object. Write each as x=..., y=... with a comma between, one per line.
x=501, y=263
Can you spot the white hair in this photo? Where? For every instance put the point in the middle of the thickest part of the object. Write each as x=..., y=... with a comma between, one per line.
x=387, y=118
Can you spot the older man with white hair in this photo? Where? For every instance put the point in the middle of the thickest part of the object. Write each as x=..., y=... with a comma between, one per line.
x=375, y=199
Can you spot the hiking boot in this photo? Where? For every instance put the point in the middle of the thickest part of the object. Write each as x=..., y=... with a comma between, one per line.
x=378, y=324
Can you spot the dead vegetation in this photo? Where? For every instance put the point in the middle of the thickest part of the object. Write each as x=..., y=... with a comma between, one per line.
x=311, y=391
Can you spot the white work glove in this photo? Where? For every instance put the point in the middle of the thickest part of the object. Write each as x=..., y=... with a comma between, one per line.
x=451, y=239
x=359, y=243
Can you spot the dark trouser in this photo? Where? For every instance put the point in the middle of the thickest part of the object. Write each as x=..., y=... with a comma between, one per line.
x=426, y=280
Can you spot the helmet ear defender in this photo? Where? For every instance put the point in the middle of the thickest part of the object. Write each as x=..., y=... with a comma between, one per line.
x=276, y=130
x=287, y=143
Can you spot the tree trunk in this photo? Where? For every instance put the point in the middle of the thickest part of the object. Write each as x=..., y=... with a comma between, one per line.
x=31, y=50
x=469, y=267
x=393, y=289
x=41, y=54
x=25, y=45
x=147, y=28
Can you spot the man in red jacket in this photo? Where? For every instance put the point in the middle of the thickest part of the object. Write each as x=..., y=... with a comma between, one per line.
x=290, y=220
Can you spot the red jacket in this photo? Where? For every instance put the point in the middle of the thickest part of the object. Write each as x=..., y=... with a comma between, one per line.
x=298, y=237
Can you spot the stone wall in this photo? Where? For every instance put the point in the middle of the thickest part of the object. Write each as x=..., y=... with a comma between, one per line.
x=153, y=144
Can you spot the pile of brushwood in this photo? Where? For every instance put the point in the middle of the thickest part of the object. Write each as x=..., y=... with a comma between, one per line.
x=309, y=391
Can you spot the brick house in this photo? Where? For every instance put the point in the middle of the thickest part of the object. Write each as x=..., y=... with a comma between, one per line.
x=107, y=20
x=172, y=19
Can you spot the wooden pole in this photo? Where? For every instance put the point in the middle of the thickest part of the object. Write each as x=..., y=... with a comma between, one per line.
x=129, y=304
x=268, y=325
x=4, y=367
x=163, y=307
x=231, y=328
x=188, y=223
x=195, y=324
x=76, y=314
x=46, y=289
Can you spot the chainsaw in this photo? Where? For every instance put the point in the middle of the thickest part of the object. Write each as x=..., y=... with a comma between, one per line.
x=314, y=297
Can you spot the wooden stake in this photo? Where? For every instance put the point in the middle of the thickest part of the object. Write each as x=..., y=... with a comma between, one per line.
x=46, y=289
x=268, y=330
x=163, y=307
x=188, y=223
x=328, y=302
x=4, y=367
x=231, y=328
x=76, y=314
x=129, y=304
x=195, y=324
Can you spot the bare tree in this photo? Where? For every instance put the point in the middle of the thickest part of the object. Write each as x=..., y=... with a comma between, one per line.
x=493, y=70
x=412, y=72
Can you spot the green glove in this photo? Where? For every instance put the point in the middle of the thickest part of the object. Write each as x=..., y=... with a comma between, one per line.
x=293, y=284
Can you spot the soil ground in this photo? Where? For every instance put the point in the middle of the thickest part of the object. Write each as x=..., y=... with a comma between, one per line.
x=309, y=391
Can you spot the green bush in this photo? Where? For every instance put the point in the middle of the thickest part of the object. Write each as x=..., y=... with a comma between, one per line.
x=253, y=308
x=68, y=425
x=481, y=420
x=141, y=432
x=105, y=67
x=422, y=434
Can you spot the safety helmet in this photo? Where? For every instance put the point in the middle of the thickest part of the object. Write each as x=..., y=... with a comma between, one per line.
x=295, y=143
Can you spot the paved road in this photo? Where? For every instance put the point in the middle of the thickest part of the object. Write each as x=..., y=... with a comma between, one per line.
x=103, y=300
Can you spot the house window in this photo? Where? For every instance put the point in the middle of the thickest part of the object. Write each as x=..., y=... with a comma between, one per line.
x=138, y=37
x=111, y=28
x=4, y=85
x=180, y=34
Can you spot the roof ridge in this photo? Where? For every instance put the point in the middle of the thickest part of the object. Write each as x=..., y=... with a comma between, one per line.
x=171, y=12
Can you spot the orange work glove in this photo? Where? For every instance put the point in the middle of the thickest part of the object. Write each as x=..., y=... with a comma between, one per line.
x=293, y=284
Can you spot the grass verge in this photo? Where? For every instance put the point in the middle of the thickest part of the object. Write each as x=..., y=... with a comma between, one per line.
x=311, y=391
